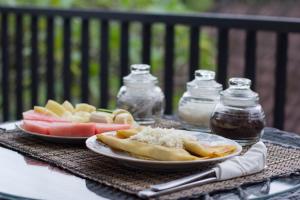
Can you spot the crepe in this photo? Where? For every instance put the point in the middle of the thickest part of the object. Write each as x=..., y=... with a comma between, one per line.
x=202, y=150
x=155, y=152
x=163, y=144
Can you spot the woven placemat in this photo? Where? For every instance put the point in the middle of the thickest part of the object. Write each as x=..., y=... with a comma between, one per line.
x=78, y=160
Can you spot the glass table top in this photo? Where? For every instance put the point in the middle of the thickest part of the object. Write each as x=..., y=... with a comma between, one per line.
x=22, y=176
x=25, y=177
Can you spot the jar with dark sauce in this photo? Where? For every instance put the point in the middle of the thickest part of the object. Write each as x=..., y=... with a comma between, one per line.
x=239, y=116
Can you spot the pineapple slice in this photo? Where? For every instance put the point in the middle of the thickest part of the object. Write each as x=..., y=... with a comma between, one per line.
x=44, y=111
x=70, y=117
x=85, y=107
x=84, y=116
x=55, y=107
x=75, y=118
x=67, y=114
x=68, y=106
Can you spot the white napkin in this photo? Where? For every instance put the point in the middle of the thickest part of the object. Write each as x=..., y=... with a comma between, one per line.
x=253, y=161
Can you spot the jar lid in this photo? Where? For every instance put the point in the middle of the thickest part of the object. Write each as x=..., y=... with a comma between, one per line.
x=140, y=73
x=239, y=93
x=204, y=82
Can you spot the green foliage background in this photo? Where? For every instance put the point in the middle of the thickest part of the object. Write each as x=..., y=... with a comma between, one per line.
x=207, y=45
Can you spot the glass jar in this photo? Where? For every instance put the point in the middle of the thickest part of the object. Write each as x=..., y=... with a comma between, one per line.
x=239, y=116
x=198, y=102
x=141, y=96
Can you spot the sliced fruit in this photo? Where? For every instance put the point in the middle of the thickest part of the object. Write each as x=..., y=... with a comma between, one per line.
x=74, y=118
x=68, y=106
x=72, y=129
x=45, y=111
x=67, y=114
x=102, y=127
x=101, y=117
x=124, y=118
x=36, y=126
x=85, y=107
x=85, y=116
x=55, y=107
x=32, y=115
x=119, y=111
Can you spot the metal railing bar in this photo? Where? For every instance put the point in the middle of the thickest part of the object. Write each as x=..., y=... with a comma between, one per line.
x=169, y=70
x=19, y=65
x=104, y=58
x=280, y=79
x=194, y=51
x=222, y=58
x=50, y=58
x=67, y=58
x=250, y=57
x=124, y=51
x=34, y=60
x=85, y=61
x=146, y=44
x=5, y=67
x=247, y=22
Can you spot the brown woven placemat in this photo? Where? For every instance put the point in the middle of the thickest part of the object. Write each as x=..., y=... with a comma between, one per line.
x=82, y=162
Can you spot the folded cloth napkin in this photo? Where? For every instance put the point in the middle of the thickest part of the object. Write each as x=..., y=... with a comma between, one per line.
x=253, y=161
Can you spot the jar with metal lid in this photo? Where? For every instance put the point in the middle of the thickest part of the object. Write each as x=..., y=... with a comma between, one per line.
x=141, y=96
x=198, y=102
x=239, y=116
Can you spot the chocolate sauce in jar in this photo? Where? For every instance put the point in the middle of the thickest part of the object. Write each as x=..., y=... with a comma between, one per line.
x=238, y=116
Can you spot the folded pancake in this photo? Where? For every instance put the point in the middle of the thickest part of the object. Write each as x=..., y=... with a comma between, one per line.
x=203, y=150
x=155, y=152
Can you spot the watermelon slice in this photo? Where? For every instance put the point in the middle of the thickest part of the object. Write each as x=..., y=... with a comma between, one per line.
x=102, y=127
x=36, y=126
x=72, y=129
x=43, y=124
x=31, y=115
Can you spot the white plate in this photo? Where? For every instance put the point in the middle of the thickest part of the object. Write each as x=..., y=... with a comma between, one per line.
x=124, y=158
x=53, y=138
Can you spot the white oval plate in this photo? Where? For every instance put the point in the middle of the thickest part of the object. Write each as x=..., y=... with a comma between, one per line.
x=126, y=159
x=53, y=138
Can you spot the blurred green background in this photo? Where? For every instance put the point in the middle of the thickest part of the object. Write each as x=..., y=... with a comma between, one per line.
x=207, y=45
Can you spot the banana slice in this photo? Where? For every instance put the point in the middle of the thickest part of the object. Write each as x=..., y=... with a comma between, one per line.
x=101, y=117
x=119, y=111
x=124, y=118
x=85, y=107
x=55, y=107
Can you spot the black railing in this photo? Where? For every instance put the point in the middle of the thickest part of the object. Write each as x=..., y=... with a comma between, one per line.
x=223, y=23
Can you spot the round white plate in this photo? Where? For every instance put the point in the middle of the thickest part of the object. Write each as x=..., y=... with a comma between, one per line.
x=124, y=158
x=53, y=138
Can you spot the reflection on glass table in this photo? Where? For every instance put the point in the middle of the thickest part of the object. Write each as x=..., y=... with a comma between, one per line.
x=25, y=177
x=267, y=189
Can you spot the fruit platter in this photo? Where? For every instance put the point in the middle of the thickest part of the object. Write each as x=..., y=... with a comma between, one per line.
x=68, y=123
